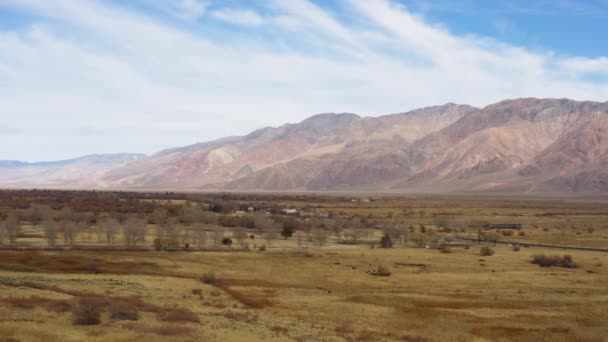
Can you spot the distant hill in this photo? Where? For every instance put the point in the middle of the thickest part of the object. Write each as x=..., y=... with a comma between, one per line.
x=83, y=172
x=523, y=145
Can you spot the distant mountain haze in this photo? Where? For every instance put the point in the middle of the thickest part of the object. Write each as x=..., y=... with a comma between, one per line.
x=522, y=145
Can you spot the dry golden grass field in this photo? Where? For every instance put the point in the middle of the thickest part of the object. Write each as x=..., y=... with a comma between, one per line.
x=297, y=290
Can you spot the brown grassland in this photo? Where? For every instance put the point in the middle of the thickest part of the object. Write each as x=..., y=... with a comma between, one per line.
x=300, y=289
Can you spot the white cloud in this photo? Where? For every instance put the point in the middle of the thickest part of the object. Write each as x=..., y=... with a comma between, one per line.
x=88, y=66
x=581, y=65
x=185, y=9
x=239, y=17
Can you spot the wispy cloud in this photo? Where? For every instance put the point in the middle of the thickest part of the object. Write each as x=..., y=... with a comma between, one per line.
x=185, y=9
x=239, y=17
x=157, y=84
x=585, y=65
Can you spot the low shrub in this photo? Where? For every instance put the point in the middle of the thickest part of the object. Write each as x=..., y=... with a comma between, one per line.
x=163, y=330
x=553, y=261
x=386, y=241
x=124, y=312
x=87, y=311
x=515, y=248
x=209, y=278
x=445, y=249
x=178, y=315
x=240, y=316
x=382, y=271
x=507, y=232
x=172, y=330
x=521, y=233
x=486, y=251
x=170, y=245
x=278, y=330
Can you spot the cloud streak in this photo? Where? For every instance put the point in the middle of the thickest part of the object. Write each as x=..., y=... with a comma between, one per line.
x=149, y=83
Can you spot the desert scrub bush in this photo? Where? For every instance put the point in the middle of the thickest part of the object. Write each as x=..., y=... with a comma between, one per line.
x=170, y=245
x=382, y=271
x=553, y=261
x=178, y=315
x=279, y=330
x=344, y=329
x=87, y=311
x=240, y=316
x=386, y=241
x=209, y=278
x=486, y=251
x=515, y=248
x=124, y=312
x=507, y=233
x=521, y=233
x=163, y=330
x=445, y=249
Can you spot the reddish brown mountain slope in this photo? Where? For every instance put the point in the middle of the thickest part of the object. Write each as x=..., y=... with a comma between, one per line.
x=514, y=145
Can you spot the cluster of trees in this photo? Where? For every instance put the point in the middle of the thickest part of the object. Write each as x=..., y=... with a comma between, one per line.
x=180, y=224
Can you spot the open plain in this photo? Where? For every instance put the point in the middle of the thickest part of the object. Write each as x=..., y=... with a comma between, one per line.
x=243, y=267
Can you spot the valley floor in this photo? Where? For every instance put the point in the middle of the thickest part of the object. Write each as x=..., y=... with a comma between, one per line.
x=305, y=294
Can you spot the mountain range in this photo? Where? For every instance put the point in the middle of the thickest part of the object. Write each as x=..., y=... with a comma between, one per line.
x=522, y=145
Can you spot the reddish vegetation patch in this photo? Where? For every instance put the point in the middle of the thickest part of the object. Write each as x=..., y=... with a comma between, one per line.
x=178, y=315
x=249, y=299
x=34, y=261
x=246, y=317
x=32, y=302
x=101, y=300
x=52, y=288
x=548, y=334
x=163, y=330
x=466, y=305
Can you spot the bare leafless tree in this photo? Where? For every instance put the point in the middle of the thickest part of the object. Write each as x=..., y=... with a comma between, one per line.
x=333, y=226
x=271, y=232
x=39, y=213
x=185, y=236
x=300, y=238
x=108, y=229
x=2, y=232
x=355, y=234
x=50, y=231
x=69, y=230
x=208, y=217
x=199, y=235
x=218, y=235
x=67, y=214
x=134, y=231
x=189, y=214
x=402, y=233
x=12, y=227
x=320, y=236
x=240, y=235
x=160, y=216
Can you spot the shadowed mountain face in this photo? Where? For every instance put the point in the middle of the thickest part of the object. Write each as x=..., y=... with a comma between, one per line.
x=514, y=145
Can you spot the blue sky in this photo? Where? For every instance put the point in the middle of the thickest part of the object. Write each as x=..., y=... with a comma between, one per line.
x=95, y=76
